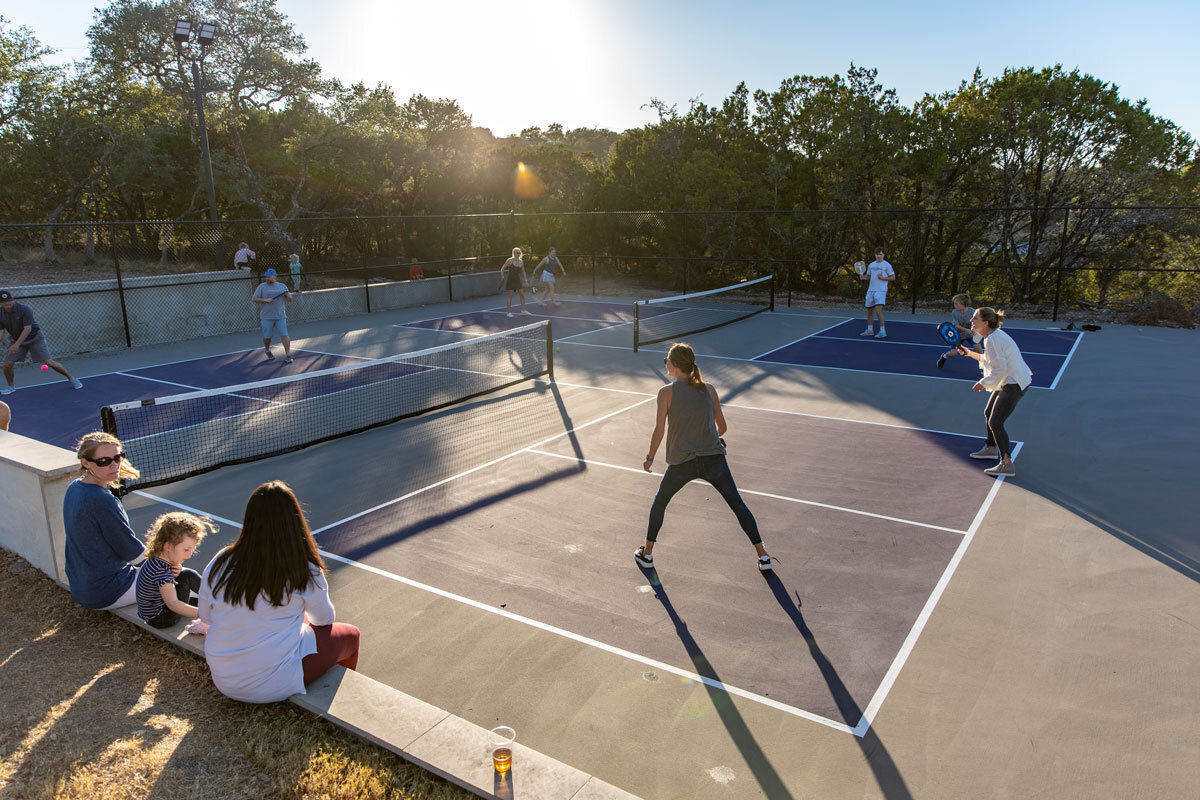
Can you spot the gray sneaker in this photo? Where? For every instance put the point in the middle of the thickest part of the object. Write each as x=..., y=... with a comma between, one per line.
x=867, y=332
x=987, y=453
x=1002, y=469
x=76, y=383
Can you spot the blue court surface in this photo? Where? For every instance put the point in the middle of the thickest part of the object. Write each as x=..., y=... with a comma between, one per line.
x=912, y=348
x=57, y=414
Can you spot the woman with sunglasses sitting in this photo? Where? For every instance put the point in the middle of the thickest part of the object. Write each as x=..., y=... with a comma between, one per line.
x=102, y=551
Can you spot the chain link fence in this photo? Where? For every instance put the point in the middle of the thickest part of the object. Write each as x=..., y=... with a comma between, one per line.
x=122, y=284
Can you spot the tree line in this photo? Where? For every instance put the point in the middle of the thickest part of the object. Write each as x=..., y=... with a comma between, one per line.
x=115, y=137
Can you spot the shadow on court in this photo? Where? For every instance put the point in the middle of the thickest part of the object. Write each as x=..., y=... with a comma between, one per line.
x=739, y=732
x=887, y=774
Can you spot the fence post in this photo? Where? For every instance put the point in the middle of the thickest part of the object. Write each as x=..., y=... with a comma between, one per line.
x=593, y=254
x=112, y=238
x=367, y=289
x=1062, y=263
x=916, y=261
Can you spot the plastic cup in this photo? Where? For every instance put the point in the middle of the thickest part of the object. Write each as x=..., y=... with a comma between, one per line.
x=500, y=742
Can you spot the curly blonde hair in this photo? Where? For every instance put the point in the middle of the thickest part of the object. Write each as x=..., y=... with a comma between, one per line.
x=173, y=528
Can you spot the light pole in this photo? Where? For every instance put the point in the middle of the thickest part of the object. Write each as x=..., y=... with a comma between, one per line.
x=206, y=32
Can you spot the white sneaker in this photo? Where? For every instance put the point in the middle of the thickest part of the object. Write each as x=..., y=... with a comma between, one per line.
x=78, y=384
x=986, y=453
x=867, y=332
x=7, y=390
x=1002, y=469
x=765, y=564
x=510, y=314
x=526, y=313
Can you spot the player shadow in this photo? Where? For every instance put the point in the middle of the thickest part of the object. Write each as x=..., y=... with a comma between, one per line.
x=760, y=766
x=887, y=774
x=447, y=513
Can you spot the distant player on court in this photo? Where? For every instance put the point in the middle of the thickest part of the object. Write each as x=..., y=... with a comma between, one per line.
x=689, y=413
x=548, y=267
x=271, y=296
x=879, y=273
x=26, y=340
x=960, y=318
x=515, y=279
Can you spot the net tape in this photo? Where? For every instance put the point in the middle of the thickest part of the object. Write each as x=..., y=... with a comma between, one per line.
x=719, y=307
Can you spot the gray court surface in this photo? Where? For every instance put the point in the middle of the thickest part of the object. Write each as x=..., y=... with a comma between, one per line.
x=929, y=631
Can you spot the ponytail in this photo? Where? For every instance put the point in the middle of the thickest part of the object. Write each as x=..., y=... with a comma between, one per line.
x=684, y=358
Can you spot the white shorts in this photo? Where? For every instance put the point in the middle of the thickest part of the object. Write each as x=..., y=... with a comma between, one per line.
x=547, y=277
x=876, y=299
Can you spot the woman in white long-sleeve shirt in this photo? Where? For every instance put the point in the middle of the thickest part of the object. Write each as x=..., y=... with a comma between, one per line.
x=1006, y=376
x=266, y=600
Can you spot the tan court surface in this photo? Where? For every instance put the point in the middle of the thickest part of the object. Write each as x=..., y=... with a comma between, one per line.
x=1057, y=657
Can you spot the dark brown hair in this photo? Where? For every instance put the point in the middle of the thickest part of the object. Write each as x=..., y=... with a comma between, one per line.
x=991, y=316
x=273, y=556
x=684, y=358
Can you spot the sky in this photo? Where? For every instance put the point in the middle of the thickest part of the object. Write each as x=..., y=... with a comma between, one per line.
x=598, y=63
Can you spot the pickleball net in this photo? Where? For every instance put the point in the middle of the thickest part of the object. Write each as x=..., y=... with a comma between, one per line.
x=666, y=318
x=175, y=437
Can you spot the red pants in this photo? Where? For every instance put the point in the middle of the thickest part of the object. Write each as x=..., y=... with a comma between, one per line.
x=336, y=644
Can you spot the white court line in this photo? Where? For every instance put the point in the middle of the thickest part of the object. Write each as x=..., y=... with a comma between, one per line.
x=553, y=317
x=1067, y=360
x=744, y=490
x=599, y=645
x=482, y=466
x=793, y=413
x=155, y=380
x=889, y=678
x=412, y=327
x=874, y=342
x=843, y=321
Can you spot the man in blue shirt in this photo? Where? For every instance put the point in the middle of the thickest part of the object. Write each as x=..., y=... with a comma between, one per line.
x=25, y=340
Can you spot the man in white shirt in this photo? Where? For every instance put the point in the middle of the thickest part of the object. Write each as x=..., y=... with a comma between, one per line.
x=880, y=274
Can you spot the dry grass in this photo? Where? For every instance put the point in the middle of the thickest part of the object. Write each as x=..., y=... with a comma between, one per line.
x=94, y=708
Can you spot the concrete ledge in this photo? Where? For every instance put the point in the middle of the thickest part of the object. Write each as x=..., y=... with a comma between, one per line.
x=35, y=477
x=422, y=734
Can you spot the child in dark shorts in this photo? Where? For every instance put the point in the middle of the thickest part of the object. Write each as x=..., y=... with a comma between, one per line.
x=164, y=586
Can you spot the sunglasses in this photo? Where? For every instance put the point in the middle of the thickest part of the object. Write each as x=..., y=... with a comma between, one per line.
x=106, y=460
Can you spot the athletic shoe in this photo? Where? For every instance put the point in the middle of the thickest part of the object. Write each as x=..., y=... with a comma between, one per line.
x=7, y=390
x=287, y=360
x=764, y=563
x=644, y=561
x=75, y=382
x=941, y=362
x=987, y=452
x=510, y=314
x=526, y=313
x=1002, y=469
x=867, y=332
x=882, y=334
x=270, y=356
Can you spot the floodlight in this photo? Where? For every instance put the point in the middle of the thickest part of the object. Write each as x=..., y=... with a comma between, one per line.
x=206, y=33
x=183, y=29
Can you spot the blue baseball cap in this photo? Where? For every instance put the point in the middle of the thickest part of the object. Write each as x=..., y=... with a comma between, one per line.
x=270, y=272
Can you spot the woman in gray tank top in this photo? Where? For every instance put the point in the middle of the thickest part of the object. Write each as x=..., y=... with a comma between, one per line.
x=689, y=413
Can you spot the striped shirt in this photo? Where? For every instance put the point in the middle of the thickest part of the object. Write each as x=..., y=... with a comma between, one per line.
x=153, y=575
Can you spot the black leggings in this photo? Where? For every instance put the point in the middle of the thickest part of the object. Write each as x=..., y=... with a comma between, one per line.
x=186, y=582
x=715, y=470
x=999, y=406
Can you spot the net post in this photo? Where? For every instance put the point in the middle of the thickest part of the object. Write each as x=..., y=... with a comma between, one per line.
x=549, y=349
x=112, y=235
x=635, y=326
x=108, y=422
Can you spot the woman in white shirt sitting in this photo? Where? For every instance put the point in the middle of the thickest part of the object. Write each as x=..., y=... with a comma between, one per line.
x=1006, y=376
x=266, y=600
